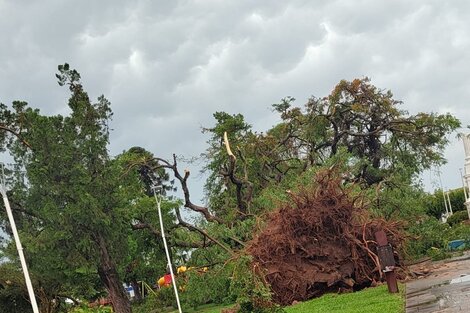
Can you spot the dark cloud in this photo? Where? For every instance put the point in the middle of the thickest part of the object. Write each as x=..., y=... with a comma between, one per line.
x=168, y=65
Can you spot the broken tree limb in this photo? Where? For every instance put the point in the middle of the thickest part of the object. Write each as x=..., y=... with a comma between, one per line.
x=227, y=146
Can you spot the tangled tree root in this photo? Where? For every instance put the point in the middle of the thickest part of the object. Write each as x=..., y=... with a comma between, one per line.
x=322, y=240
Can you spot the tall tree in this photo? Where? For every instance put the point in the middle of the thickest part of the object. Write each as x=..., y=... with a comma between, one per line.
x=357, y=118
x=71, y=194
x=368, y=123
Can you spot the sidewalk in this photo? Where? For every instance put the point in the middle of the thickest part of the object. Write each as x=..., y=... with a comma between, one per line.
x=447, y=289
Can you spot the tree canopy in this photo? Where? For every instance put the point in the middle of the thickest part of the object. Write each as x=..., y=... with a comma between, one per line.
x=77, y=206
x=357, y=119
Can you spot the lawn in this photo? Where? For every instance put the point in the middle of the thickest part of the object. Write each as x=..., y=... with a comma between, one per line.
x=209, y=308
x=370, y=300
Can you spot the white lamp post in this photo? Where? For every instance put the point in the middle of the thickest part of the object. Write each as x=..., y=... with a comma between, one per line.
x=19, y=247
x=466, y=144
x=158, y=199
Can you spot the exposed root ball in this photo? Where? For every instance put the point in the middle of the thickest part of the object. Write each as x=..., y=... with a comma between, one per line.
x=323, y=240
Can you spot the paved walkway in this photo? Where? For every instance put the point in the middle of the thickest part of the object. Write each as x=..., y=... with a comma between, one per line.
x=447, y=289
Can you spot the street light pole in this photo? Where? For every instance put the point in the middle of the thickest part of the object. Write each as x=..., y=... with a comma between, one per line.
x=450, y=204
x=19, y=247
x=158, y=199
x=463, y=185
x=466, y=143
x=443, y=194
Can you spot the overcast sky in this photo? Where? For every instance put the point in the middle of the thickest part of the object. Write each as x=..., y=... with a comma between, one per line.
x=166, y=66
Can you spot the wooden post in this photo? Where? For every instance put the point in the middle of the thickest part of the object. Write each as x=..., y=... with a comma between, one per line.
x=387, y=261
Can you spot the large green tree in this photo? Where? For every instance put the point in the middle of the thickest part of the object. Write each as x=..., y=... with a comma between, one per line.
x=88, y=220
x=358, y=119
x=75, y=208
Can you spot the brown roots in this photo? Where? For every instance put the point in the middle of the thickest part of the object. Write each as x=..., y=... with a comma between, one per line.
x=322, y=240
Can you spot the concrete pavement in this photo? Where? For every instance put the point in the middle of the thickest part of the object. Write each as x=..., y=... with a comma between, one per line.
x=447, y=289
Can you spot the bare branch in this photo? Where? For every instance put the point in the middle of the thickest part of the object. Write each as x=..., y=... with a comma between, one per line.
x=201, y=231
x=184, y=185
x=182, y=244
x=17, y=135
x=242, y=200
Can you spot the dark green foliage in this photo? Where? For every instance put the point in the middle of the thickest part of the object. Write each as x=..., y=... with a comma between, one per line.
x=13, y=293
x=75, y=205
x=429, y=237
x=252, y=292
x=163, y=301
x=207, y=287
x=435, y=203
x=457, y=218
x=426, y=233
x=86, y=309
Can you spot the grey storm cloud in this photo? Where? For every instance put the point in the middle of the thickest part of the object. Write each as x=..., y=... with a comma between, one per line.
x=166, y=66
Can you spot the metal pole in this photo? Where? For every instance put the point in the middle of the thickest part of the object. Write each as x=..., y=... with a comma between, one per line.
x=466, y=143
x=450, y=204
x=463, y=185
x=158, y=200
x=443, y=193
x=19, y=247
x=387, y=262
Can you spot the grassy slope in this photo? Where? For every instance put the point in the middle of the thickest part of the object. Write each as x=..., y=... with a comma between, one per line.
x=369, y=300
x=210, y=308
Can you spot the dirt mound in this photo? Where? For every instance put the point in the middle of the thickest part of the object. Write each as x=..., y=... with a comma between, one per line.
x=323, y=240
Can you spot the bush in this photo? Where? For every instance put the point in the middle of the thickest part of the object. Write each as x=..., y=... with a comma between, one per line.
x=457, y=218
x=207, y=287
x=429, y=237
x=426, y=233
x=250, y=289
x=435, y=202
x=163, y=298
x=85, y=309
x=13, y=300
x=458, y=231
x=437, y=254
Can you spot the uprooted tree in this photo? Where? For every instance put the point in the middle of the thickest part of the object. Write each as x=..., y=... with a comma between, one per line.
x=321, y=240
x=384, y=147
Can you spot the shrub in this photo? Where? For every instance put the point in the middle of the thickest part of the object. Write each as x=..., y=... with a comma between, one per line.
x=163, y=298
x=85, y=309
x=457, y=218
x=437, y=254
x=429, y=237
x=425, y=234
x=250, y=289
x=207, y=287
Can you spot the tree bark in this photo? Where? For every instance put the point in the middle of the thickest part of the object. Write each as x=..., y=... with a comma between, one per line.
x=110, y=278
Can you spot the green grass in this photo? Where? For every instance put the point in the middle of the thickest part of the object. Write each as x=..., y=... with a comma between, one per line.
x=370, y=300
x=209, y=308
